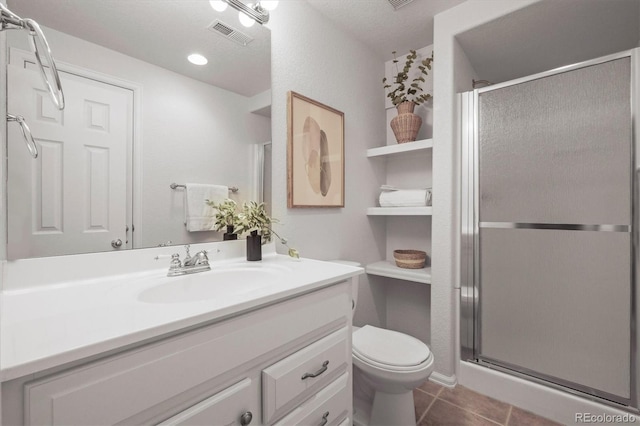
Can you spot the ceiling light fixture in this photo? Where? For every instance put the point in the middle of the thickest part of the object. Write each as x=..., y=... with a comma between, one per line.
x=269, y=4
x=218, y=5
x=245, y=19
x=258, y=12
x=197, y=59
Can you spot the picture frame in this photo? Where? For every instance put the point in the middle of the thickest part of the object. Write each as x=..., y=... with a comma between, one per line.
x=315, y=153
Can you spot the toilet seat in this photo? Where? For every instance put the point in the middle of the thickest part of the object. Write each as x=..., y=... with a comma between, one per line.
x=389, y=350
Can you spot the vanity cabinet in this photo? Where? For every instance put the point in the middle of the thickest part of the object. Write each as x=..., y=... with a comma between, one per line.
x=285, y=363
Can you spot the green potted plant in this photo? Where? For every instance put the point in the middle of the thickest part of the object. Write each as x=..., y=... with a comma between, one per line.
x=226, y=217
x=405, y=96
x=254, y=219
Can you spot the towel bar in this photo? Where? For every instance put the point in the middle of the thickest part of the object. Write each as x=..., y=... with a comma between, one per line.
x=174, y=185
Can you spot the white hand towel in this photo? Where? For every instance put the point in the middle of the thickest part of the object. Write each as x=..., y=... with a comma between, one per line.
x=392, y=197
x=199, y=216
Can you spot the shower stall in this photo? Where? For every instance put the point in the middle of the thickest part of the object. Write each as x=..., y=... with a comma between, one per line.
x=550, y=228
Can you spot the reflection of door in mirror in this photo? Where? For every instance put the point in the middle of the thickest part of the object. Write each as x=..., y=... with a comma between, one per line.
x=193, y=124
x=73, y=197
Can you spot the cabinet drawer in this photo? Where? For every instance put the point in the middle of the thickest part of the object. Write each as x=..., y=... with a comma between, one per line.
x=304, y=372
x=345, y=422
x=327, y=407
x=232, y=406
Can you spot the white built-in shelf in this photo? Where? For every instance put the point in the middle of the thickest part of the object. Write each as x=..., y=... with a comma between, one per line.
x=400, y=148
x=399, y=211
x=390, y=270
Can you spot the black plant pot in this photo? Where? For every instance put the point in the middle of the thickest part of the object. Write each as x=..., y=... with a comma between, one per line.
x=254, y=246
x=229, y=235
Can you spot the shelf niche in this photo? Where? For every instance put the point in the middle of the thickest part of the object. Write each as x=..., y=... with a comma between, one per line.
x=401, y=148
x=390, y=270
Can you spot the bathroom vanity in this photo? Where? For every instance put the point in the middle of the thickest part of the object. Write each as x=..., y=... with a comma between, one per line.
x=272, y=354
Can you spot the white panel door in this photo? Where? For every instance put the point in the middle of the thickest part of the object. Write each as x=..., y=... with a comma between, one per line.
x=73, y=197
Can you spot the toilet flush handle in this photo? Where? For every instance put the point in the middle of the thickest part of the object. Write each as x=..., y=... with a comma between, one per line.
x=317, y=373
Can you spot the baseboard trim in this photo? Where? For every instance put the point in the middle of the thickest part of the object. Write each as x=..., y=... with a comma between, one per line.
x=441, y=379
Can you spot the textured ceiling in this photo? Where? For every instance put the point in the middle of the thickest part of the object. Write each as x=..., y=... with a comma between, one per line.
x=163, y=33
x=551, y=34
x=383, y=29
x=543, y=36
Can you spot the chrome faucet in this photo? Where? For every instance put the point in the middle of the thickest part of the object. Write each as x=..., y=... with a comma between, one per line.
x=191, y=265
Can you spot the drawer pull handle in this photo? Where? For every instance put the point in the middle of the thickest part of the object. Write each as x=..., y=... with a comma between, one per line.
x=246, y=418
x=325, y=419
x=317, y=373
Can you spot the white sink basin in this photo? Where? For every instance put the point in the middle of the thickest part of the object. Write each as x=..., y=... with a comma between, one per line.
x=221, y=282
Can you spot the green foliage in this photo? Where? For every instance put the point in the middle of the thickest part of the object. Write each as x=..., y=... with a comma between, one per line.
x=226, y=214
x=403, y=91
x=254, y=217
x=293, y=253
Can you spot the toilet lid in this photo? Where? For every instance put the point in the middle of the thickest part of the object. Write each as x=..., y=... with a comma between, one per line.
x=389, y=347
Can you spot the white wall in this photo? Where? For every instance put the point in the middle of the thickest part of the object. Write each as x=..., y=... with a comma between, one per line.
x=314, y=58
x=191, y=132
x=448, y=80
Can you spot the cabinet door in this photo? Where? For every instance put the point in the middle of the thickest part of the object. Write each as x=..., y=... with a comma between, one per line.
x=236, y=405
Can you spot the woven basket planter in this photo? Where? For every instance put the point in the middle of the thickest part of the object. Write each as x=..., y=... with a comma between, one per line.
x=406, y=124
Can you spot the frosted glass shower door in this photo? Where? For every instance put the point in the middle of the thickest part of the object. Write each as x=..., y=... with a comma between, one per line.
x=554, y=227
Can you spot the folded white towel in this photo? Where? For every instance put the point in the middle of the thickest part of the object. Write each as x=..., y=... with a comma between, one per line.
x=198, y=215
x=393, y=197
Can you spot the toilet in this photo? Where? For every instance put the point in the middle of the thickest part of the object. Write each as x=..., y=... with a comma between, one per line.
x=387, y=366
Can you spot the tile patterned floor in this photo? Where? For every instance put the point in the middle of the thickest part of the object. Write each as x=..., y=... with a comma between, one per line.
x=438, y=405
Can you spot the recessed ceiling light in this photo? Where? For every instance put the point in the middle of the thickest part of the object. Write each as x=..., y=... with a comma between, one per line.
x=197, y=59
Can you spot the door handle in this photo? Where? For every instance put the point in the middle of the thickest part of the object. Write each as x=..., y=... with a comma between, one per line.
x=116, y=243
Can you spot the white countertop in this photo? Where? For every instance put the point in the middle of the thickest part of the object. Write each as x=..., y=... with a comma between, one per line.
x=50, y=325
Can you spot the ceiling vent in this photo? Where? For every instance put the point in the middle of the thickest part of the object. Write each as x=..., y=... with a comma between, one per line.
x=397, y=4
x=230, y=33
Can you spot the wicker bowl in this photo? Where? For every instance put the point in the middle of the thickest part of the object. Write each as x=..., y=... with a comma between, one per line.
x=410, y=259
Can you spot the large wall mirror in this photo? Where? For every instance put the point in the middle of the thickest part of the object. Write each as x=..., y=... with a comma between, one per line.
x=138, y=117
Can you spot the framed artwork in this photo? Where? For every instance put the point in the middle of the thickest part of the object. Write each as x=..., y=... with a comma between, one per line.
x=315, y=154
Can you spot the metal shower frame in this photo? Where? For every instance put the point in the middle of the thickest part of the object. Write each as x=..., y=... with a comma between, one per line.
x=470, y=242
